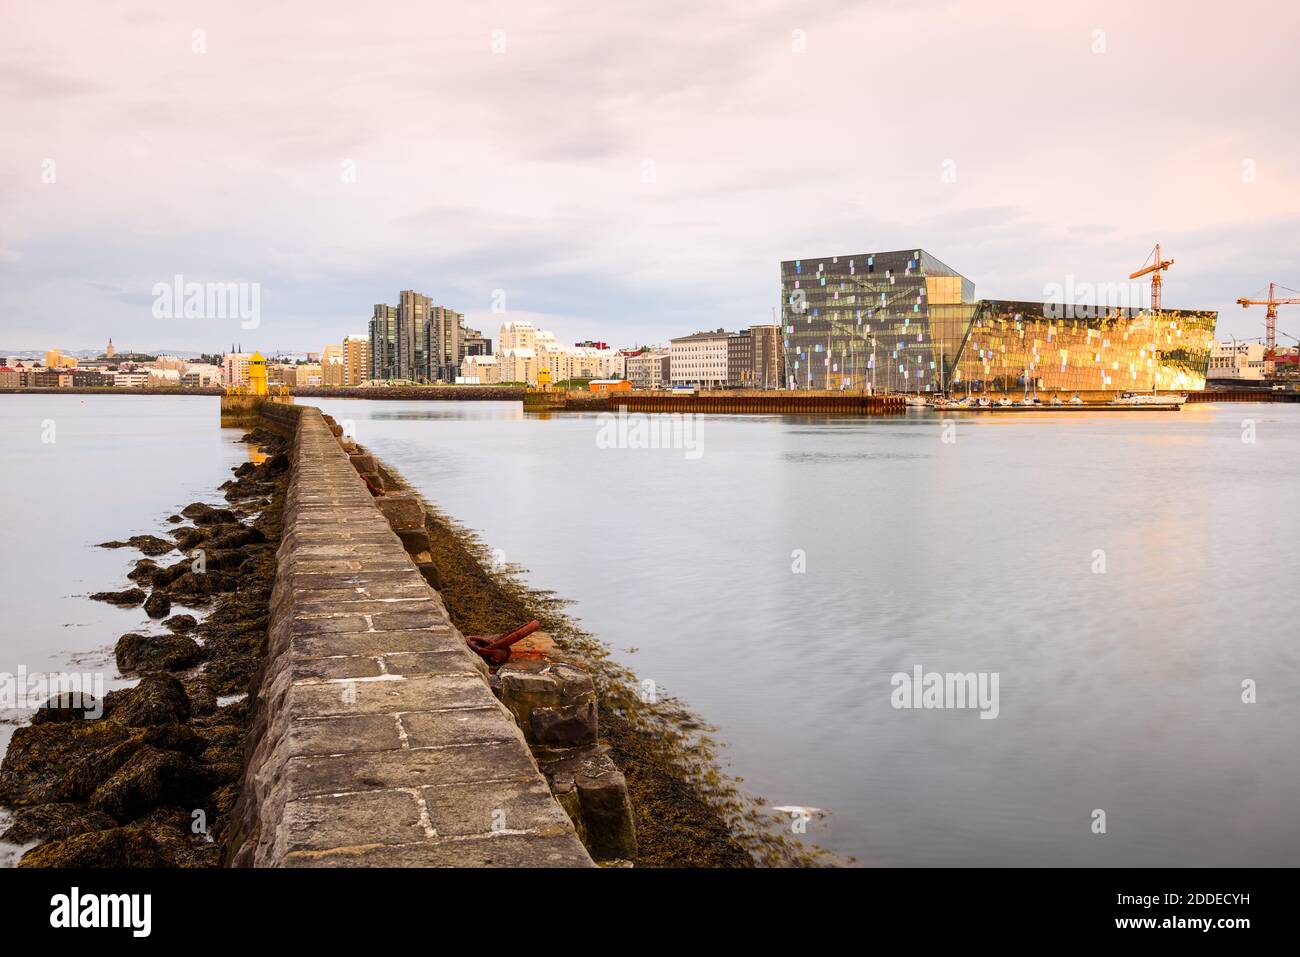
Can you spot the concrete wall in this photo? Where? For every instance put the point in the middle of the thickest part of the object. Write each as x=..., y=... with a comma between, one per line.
x=376, y=740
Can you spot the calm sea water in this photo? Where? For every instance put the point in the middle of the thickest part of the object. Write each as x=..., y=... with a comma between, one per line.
x=79, y=470
x=1119, y=691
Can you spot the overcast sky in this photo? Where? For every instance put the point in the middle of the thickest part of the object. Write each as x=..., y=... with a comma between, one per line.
x=626, y=171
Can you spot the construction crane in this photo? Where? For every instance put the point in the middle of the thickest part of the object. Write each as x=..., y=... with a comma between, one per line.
x=1270, y=322
x=1153, y=265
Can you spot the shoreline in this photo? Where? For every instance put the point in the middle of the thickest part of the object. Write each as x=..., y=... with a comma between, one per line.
x=148, y=776
x=689, y=811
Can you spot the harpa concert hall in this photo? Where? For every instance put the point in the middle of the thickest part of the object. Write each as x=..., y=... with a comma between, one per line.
x=905, y=322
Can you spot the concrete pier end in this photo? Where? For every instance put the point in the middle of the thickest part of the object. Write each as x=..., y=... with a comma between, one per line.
x=376, y=738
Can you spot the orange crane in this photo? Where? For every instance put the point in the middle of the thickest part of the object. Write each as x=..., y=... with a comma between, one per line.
x=1270, y=348
x=1157, y=265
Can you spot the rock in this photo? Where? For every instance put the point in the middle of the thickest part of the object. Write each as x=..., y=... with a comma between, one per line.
x=554, y=703
x=203, y=700
x=69, y=706
x=150, y=778
x=194, y=589
x=607, y=827
x=115, y=848
x=195, y=509
x=131, y=596
x=143, y=571
x=151, y=544
x=416, y=543
x=237, y=536
x=56, y=821
x=402, y=509
x=567, y=726
x=157, y=605
x=242, y=470
x=136, y=653
x=188, y=537
x=157, y=699
x=62, y=761
x=430, y=572
x=218, y=516
x=175, y=519
x=180, y=624
x=363, y=462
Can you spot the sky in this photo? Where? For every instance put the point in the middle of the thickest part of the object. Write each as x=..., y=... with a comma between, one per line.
x=626, y=172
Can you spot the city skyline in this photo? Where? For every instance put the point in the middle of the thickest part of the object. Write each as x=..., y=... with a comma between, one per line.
x=143, y=147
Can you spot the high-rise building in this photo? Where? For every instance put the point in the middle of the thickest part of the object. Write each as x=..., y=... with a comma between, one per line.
x=740, y=360
x=356, y=360
x=234, y=368
x=905, y=322
x=383, y=343
x=769, y=366
x=416, y=340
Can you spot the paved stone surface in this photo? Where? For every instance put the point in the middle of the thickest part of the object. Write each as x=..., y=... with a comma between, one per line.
x=376, y=740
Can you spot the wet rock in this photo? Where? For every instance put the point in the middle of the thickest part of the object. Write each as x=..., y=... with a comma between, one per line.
x=157, y=699
x=115, y=848
x=151, y=777
x=181, y=624
x=56, y=821
x=217, y=516
x=195, y=589
x=149, y=544
x=236, y=536
x=242, y=470
x=195, y=509
x=143, y=571
x=69, y=706
x=157, y=605
x=136, y=653
x=130, y=596
x=175, y=519
x=430, y=572
x=203, y=700
x=189, y=537
x=604, y=809
x=62, y=761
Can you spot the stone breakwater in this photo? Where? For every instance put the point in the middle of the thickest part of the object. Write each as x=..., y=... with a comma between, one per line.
x=377, y=740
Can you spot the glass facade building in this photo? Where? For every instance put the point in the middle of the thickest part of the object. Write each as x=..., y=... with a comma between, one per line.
x=906, y=322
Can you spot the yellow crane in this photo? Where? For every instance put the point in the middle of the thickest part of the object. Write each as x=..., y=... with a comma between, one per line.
x=1154, y=266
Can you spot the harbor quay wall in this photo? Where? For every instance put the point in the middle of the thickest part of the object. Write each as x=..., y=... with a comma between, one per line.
x=376, y=739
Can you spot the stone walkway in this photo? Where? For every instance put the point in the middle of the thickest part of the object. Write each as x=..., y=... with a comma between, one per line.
x=379, y=742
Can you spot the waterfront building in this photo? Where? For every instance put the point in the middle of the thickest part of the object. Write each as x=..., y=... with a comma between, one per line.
x=9, y=378
x=56, y=359
x=525, y=352
x=648, y=369
x=234, y=369
x=356, y=360
x=905, y=322
x=699, y=359
x=740, y=360
x=383, y=343
x=480, y=370
x=769, y=364
x=130, y=379
x=1237, y=361
x=415, y=340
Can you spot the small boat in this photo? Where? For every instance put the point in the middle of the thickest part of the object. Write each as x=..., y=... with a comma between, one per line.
x=983, y=402
x=1004, y=402
x=916, y=400
x=1144, y=400
x=1075, y=400
x=1057, y=400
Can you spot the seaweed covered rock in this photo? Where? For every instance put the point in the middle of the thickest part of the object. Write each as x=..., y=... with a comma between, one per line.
x=181, y=624
x=151, y=777
x=46, y=822
x=157, y=605
x=118, y=847
x=136, y=653
x=157, y=699
x=143, y=571
x=127, y=597
x=69, y=706
x=149, y=544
